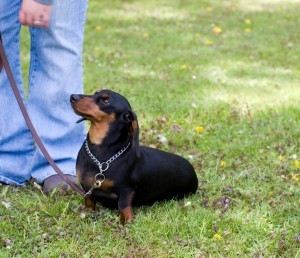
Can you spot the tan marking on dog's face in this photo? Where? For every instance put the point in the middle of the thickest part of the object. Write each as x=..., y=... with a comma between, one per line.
x=105, y=95
x=85, y=107
x=100, y=116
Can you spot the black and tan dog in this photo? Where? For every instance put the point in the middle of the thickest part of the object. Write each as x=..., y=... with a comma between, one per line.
x=111, y=166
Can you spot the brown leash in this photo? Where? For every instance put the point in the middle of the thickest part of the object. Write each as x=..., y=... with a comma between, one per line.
x=4, y=63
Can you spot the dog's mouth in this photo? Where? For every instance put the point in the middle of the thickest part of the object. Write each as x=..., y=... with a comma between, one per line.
x=83, y=117
x=82, y=106
x=80, y=120
x=77, y=112
x=89, y=112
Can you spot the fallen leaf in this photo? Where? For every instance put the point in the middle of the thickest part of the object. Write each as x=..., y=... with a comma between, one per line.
x=6, y=204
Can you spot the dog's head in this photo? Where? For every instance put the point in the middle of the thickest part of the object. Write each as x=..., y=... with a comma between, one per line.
x=110, y=115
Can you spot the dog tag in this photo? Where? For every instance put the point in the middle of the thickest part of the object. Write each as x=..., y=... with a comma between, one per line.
x=91, y=190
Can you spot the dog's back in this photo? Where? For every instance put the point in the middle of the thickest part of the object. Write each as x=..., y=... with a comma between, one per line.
x=160, y=175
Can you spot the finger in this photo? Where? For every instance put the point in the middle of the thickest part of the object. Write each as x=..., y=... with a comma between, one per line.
x=22, y=17
x=29, y=20
x=46, y=23
x=45, y=19
x=37, y=23
x=41, y=21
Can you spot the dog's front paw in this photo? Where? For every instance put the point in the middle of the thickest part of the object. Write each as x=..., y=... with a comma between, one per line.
x=126, y=215
x=90, y=205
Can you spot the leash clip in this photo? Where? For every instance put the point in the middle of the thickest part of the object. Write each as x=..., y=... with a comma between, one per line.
x=99, y=179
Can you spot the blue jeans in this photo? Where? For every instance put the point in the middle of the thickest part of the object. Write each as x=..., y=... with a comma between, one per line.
x=55, y=73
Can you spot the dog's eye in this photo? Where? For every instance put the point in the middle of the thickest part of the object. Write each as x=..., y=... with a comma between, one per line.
x=105, y=100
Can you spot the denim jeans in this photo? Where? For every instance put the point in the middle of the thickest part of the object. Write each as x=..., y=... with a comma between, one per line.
x=55, y=73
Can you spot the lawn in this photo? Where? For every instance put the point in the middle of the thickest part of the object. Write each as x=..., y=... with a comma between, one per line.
x=219, y=81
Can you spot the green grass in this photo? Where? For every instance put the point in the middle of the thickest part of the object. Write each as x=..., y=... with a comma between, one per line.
x=241, y=87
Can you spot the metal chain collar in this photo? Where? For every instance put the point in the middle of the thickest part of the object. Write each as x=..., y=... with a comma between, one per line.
x=103, y=166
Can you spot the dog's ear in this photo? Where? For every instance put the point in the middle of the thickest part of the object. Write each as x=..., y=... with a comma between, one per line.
x=127, y=117
x=133, y=130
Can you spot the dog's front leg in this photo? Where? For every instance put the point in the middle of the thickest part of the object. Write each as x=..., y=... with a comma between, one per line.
x=89, y=204
x=125, y=207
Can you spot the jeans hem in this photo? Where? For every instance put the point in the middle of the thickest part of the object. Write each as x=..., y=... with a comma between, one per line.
x=8, y=181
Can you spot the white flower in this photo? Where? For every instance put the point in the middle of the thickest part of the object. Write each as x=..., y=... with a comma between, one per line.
x=161, y=138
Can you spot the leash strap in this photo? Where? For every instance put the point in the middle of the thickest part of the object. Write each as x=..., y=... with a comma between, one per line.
x=4, y=63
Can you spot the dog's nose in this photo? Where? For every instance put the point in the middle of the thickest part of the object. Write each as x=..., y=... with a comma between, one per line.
x=74, y=98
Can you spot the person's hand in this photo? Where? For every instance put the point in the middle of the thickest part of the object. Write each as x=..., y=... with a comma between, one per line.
x=35, y=14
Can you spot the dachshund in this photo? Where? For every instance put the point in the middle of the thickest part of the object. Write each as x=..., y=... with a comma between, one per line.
x=114, y=169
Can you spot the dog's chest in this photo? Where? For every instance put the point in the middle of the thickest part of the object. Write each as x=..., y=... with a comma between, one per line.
x=90, y=182
x=107, y=184
x=106, y=191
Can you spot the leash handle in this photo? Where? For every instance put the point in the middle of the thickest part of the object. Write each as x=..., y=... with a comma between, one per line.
x=4, y=63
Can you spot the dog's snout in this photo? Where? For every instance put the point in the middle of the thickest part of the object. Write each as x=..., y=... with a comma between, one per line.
x=74, y=98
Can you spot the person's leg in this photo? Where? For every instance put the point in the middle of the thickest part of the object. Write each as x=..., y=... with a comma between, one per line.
x=16, y=143
x=56, y=73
